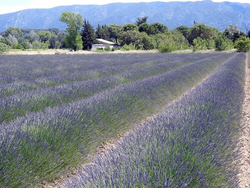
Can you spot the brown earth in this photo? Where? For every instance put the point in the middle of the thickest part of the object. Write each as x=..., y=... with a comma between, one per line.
x=244, y=144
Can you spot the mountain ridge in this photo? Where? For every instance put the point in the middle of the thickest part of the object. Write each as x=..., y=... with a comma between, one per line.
x=171, y=14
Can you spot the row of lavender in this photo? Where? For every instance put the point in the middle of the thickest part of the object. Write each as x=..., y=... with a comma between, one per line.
x=24, y=73
x=43, y=145
x=192, y=143
x=37, y=100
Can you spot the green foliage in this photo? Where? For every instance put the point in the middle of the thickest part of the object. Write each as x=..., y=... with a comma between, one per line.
x=74, y=23
x=199, y=44
x=45, y=36
x=147, y=42
x=223, y=43
x=144, y=28
x=180, y=40
x=233, y=33
x=4, y=47
x=156, y=28
x=88, y=35
x=5, y=41
x=129, y=47
x=165, y=43
x=107, y=48
x=243, y=44
x=202, y=31
x=115, y=31
x=102, y=32
x=79, y=45
x=130, y=27
x=210, y=44
x=132, y=37
x=14, y=31
x=184, y=30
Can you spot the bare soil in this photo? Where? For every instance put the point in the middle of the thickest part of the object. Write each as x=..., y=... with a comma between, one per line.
x=244, y=144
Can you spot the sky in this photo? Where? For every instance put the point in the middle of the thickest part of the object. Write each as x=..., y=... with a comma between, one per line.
x=7, y=6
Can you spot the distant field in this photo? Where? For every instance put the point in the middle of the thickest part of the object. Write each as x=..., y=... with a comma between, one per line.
x=57, y=110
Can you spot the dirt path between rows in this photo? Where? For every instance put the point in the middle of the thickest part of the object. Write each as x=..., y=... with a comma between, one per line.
x=244, y=175
x=113, y=142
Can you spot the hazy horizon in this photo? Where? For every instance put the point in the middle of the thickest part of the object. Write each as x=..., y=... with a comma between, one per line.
x=7, y=6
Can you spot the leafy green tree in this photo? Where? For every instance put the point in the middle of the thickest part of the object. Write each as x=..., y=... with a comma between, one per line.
x=144, y=27
x=132, y=37
x=130, y=27
x=156, y=28
x=14, y=31
x=184, y=30
x=5, y=41
x=102, y=32
x=74, y=23
x=233, y=33
x=88, y=35
x=243, y=44
x=199, y=44
x=79, y=44
x=141, y=20
x=4, y=47
x=180, y=40
x=202, y=31
x=45, y=36
x=32, y=36
x=147, y=42
x=223, y=43
x=164, y=42
x=115, y=31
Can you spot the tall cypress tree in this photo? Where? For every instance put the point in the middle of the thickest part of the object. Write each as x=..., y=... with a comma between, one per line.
x=88, y=35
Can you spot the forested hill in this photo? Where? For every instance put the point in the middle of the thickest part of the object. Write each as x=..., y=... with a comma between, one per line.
x=171, y=14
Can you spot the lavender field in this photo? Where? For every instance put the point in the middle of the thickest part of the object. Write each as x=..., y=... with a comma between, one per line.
x=56, y=111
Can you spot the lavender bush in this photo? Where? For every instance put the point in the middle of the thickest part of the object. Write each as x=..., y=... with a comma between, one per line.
x=190, y=144
x=43, y=145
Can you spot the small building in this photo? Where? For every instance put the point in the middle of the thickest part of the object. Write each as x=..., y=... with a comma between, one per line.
x=102, y=44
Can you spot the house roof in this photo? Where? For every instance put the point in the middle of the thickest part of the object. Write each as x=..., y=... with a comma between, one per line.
x=102, y=41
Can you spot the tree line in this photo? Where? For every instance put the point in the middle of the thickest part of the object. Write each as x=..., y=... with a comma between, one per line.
x=80, y=35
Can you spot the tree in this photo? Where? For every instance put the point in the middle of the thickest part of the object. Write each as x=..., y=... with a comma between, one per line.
x=4, y=47
x=164, y=42
x=45, y=36
x=132, y=37
x=233, y=33
x=88, y=35
x=130, y=27
x=115, y=31
x=144, y=28
x=156, y=28
x=199, y=44
x=202, y=31
x=74, y=23
x=223, y=43
x=102, y=32
x=14, y=31
x=184, y=30
x=243, y=44
x=32, y=36
x=147, y=42
x=141, y=20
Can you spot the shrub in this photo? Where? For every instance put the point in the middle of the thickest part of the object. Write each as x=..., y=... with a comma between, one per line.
x=223, y=43
x=128, y=47
x=243, y=44
x=107, y=48
x=4, y=47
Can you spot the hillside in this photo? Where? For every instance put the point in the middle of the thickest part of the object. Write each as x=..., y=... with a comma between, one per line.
x=172, y=14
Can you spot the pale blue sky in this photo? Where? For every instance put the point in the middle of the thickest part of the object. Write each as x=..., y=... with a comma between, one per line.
x=7, y=6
